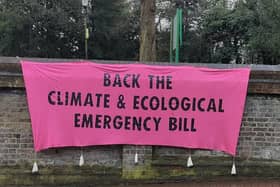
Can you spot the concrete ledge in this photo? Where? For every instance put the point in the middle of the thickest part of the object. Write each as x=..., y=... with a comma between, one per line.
x=205, y=169
x=264, y=79
x=57, y=176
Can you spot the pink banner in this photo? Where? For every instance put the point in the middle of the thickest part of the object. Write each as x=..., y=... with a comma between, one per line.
x=82, y=104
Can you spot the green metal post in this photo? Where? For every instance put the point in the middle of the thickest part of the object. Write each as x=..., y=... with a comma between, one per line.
x=177, y=37
x=171, y=43
x=181, y=26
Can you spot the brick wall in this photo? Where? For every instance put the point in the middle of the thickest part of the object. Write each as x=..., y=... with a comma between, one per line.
x=259, y=133
x=260, y=130
x=259, y=138
x=17, y=143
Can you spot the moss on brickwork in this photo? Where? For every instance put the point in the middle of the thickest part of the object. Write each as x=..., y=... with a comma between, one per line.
x=140, y=172
x=65, y=175
x=174, y=168
x=164, y=169
x=208, y=167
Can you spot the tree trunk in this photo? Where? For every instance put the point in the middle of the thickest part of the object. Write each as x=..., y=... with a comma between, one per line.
x=147, y=54
x=147, y=31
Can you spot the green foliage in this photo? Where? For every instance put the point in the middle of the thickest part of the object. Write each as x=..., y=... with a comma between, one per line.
x=115, y=30
x=247, y=32
x=214, y=32
x=226, y=32
x=265, y=41
x=55, y=29
x=40, y=28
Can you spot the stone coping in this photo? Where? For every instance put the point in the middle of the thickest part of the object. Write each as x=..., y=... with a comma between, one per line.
x=264, y=79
